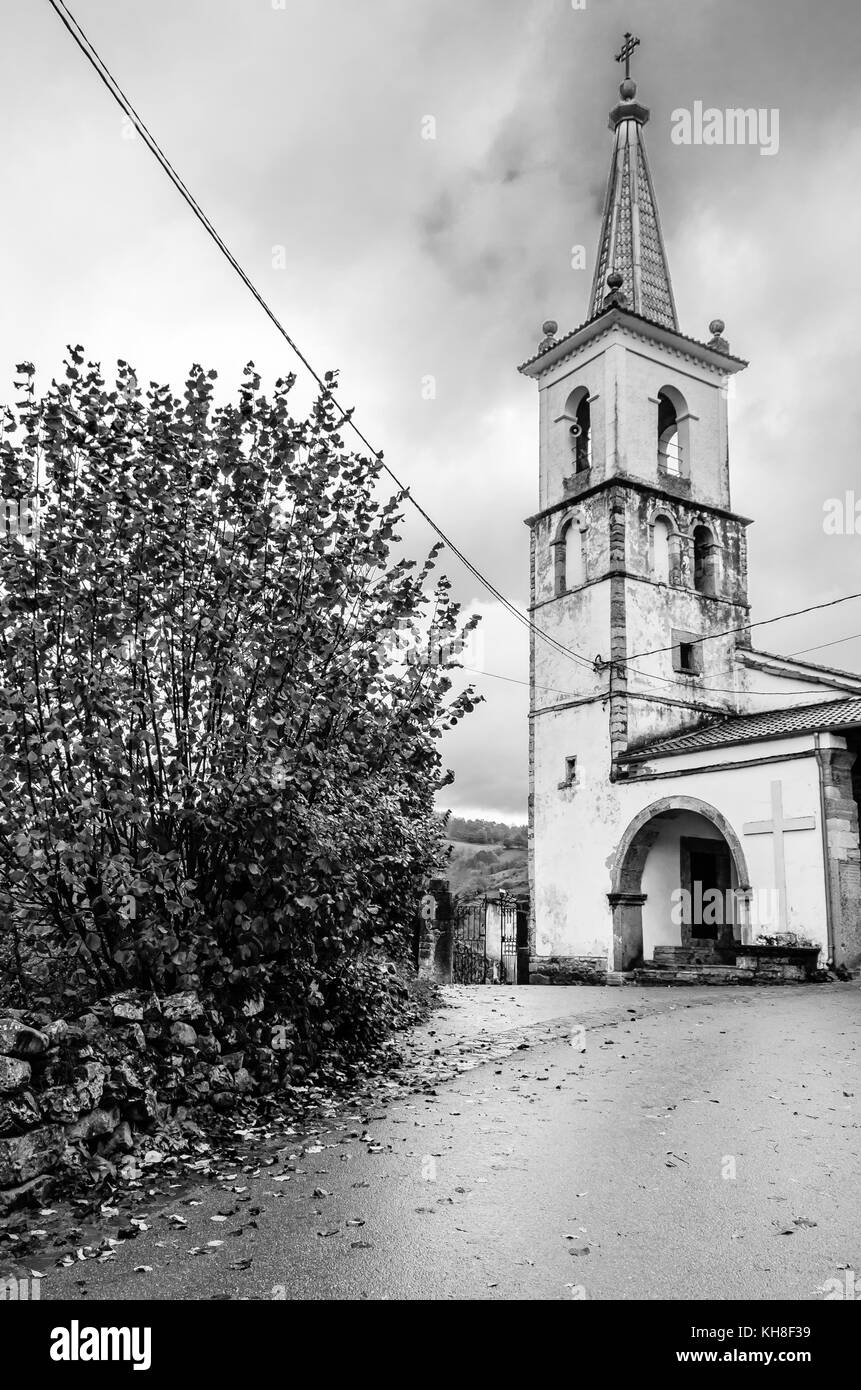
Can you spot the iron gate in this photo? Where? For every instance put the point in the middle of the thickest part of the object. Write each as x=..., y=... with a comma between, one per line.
x=469, y=964
x=490, y=943
x=508, y=942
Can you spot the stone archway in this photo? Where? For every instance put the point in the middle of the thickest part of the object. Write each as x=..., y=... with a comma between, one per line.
x=626, y=895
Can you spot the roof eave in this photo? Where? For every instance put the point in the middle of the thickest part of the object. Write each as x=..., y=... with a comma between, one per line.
x=655, y=753
x=754, y=656
x=612, y=317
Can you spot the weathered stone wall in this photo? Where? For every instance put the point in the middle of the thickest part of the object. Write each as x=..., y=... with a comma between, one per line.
x=69, y=1090
x=568, y=970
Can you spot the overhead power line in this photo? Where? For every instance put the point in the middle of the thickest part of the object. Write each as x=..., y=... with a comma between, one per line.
x=762, y=622
x=838, y=642
x=105, y=75
x=100, y=67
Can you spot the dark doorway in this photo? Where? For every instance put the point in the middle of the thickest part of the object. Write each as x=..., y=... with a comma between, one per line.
x=706, y=865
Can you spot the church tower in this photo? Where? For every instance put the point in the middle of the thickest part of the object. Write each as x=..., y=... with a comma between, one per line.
x=636, y=554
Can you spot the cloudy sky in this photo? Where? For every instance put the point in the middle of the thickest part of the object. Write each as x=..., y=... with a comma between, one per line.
x=299, y=127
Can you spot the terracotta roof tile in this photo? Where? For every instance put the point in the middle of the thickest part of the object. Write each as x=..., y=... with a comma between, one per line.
x=749, y=728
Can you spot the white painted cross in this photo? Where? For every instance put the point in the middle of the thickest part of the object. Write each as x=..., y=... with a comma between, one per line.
x=778, y=827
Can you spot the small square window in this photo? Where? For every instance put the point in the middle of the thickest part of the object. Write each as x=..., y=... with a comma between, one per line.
x=687, y=654
x=570, y=774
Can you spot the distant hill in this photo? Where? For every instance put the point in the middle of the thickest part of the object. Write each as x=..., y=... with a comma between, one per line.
x=486, y=856
x=486, y=832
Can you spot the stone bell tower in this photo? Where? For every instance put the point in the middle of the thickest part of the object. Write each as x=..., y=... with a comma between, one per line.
x=636, y=554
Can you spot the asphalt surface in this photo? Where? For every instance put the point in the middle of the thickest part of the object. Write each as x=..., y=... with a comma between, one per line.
x=658, y=1144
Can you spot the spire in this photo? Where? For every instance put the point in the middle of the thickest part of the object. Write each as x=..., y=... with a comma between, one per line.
x=631, y=244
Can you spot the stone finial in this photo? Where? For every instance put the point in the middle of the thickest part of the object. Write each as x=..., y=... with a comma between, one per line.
x=616, y=295
x=718, y=341
x=549, y=328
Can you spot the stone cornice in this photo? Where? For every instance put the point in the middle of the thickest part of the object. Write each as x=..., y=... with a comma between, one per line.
x=637, y=485
x=633, y=326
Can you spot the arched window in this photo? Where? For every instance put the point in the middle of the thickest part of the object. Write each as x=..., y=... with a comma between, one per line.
x=575, y=560
x=570, y=564
x=662, y=540
x=705, y=561
x=578, y=417
x=673, y=450
x=583, y=439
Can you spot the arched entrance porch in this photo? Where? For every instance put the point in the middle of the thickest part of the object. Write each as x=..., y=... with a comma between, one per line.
x=677, y=843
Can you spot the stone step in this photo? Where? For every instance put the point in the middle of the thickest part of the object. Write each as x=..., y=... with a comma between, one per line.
x=689, y=965
x=691, y=955
x=694, y=975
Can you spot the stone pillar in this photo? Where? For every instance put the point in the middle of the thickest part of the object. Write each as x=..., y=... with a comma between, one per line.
x=435, y=940
x=843, y=850
x=743, y=899
x=427, y=937
x=618, y=627
x=627, y=929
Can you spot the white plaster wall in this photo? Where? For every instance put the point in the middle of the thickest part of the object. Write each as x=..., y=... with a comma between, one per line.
x=581, y=622
x=574, y=832
x=590, y=369
x=577, y=831
x=649, y=369
x=625, y=372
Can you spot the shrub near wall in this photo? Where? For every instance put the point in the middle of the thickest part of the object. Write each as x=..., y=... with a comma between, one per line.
x=216, y=775
x=103, y=1087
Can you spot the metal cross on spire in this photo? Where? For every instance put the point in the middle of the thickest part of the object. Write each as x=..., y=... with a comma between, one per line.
x=631, y=43
x=632, y=260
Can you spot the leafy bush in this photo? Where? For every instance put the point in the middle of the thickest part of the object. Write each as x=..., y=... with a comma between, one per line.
x=214, y=775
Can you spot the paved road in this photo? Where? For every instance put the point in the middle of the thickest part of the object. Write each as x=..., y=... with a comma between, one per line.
x=705, y=1144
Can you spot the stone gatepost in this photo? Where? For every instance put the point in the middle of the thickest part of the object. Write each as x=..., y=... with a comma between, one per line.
x=427, y=937
x=843, y=847
x=436, y=911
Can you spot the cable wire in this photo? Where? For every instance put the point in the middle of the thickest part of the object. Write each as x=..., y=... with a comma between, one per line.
x=110, y=82
x=100, y=67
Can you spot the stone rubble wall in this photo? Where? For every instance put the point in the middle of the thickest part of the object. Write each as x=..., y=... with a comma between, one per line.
x=69, y=1090
x=568, y=970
